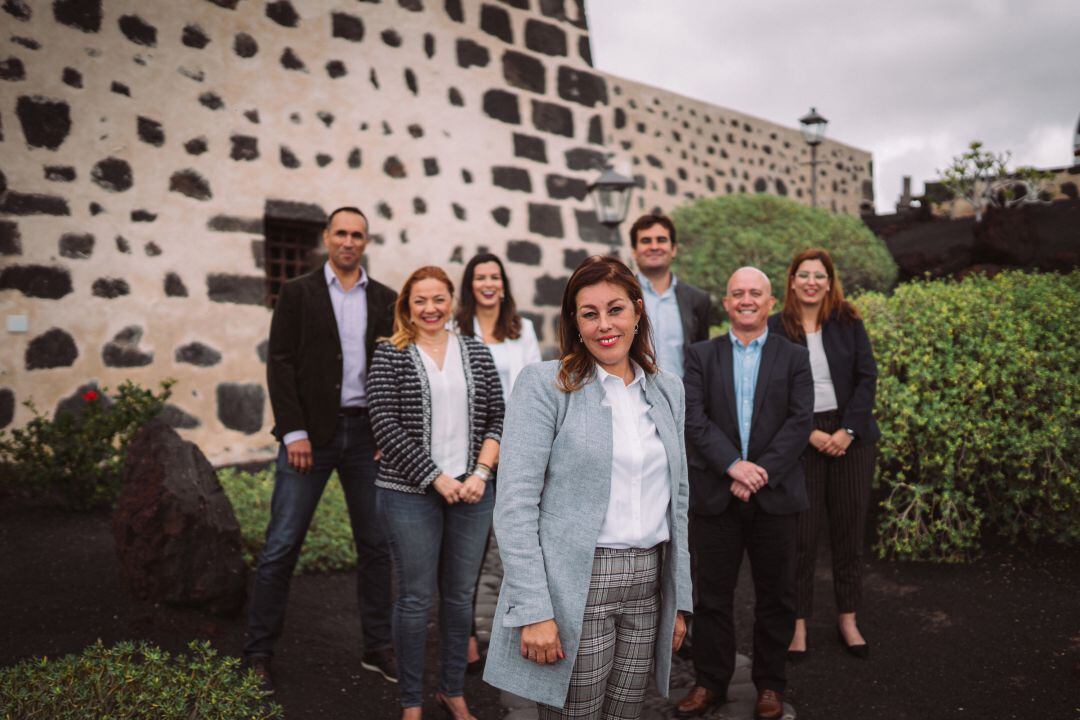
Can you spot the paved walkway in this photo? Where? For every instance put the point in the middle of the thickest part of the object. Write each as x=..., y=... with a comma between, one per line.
x=741, y=691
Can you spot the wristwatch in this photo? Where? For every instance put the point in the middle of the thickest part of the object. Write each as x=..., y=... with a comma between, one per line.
x=850, y=432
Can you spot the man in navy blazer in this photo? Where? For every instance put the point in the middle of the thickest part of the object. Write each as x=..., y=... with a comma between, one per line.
x=749, y=410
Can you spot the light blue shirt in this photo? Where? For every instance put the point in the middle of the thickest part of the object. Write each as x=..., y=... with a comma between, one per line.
x=666, y=322
x=746, y=360
x=350, y=313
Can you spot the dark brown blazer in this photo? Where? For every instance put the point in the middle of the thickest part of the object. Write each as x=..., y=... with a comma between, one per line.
x=304, y=363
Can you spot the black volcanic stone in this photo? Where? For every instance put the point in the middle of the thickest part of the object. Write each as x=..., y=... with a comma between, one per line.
x=347, y=27
x=77, y=246
x=590, y=229
x=549, y=290
x=620, y=118
x=552, y=118
x=112, y=174
x=502, y=105
x=226, y=4
x=152, y=249
x=336, y=69
x=511, y=178
x=244, y=45
x=582, y=87
x=545, y=220
x=496, y=21
x=123, y=245
x=584, y=159
x=190, y=183
x=429, y=45
x=240, y=406
x=455, y=98
x=54, y=348
x=322, y=159
x=16, y=203
x=431, y=166
x=177, y=419
x=524, y=71
x=654, y=161
x=72, y=77
x=244, y=148
x=454, y=10
x=12, y=69
x=538, y=322
x=239, y=289
x=288, y=158
x=781, y=188
x=760, y=185
x=174, y=286
x=385, y=211
x=252, y=116
x=373, y=78
x=110, y=288
x=501, y=215
x=466, y=176
x=45, y=122
x=291, y=61
x=28, y=43
x=211, y=100
x=37, y=281
x=283, y=13
x=670, y=187
x=59, y=173
x=196, y=353
x=416, y=130
x=596, y=130
x=84, y=15
x=523, y=251
x=560, y=187
x=573, y=258
x=143, y=215
x=120, y=88
x=394, y=167
x=419, y=206
x=584, y=48
x=263, y=351
x=391, y=38
x=138, y=30
x=151, y=132
x=412, y=5
x=96, y=208
x=10, y=238
x=19, y=10
x=471, y=54
x=519, y=4
x=289, y=210
x=194, y=37
x=7, y=407
x=354, y=160
x=553, y=9
x=459, y=211
x=123, y=350
x=528, y=146
x=545, y=38
x=410, y=81
x=231, y=223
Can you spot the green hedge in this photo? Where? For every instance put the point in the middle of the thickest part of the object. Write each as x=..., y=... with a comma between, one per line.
x=133, y=681
x=719, y=235
x=329, y=544
x=978, y=400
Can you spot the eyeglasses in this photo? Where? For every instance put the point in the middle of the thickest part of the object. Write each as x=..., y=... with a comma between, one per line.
x=804, y=275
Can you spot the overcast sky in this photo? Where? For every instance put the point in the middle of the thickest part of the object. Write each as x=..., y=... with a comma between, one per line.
x=912, y=81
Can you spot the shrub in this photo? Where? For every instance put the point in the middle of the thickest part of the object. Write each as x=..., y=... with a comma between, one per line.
x=129, y=681
x=80, y=455
x=977, y=399
x=719, y=235
x=329, y=543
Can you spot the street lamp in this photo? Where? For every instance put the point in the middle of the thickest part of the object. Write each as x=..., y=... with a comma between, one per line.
x=813, y=132
x=611, y=195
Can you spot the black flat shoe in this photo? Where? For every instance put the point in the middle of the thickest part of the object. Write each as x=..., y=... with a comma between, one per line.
x=476, y=666
x=796, y=656
x=860, y=651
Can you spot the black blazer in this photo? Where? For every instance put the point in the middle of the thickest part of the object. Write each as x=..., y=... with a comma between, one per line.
x=304, y=363
x=853, y=371
x=782, y=419
x=694, y=306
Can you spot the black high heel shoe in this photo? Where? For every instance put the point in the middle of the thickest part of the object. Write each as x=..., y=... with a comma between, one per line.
x=860, y=651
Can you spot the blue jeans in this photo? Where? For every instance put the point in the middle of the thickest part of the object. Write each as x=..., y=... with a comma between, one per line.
x=352, y=454
x=435, y=546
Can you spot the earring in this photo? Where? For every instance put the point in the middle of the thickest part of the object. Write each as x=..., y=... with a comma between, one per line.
x=579, y=339
x=636, y=327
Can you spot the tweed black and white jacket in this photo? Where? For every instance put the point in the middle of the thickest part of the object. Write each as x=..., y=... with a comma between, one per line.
x=399, y=400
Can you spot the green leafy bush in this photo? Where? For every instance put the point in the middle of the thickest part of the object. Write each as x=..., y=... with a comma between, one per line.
x=978, y=392
x=80, y=455
x=130, y=681
x=719, y=235
x=329, y=543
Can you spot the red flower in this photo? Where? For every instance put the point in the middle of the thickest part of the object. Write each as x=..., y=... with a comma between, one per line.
x=90, y=395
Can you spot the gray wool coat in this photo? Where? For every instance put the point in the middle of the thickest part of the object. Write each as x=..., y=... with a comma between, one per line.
x=554, y=480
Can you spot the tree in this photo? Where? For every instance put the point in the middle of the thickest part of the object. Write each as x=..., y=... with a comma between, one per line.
x=982, y=179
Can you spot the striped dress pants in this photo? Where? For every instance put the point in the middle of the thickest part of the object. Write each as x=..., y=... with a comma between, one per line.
x=618, y=638
x=839, y=491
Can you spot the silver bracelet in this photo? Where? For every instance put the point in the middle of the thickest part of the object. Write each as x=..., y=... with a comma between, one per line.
x=482, y=471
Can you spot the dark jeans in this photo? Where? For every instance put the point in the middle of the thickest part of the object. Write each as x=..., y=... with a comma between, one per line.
x=719, y=543
x=352, y=454
x=435, y=547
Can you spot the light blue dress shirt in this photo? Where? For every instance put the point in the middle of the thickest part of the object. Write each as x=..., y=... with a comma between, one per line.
x=746, y=360
x=666, y=322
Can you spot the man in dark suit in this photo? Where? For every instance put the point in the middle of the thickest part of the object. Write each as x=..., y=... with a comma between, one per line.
x=749, y=410
x=678, y=311
x=322, y=337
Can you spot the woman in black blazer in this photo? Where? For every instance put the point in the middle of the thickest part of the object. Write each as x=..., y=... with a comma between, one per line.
x=839, y=464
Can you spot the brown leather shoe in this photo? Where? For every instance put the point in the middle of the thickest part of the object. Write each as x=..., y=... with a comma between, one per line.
x=770, y=705
x=697, y=702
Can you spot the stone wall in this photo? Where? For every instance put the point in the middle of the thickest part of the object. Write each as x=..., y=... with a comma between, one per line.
x=146, y=146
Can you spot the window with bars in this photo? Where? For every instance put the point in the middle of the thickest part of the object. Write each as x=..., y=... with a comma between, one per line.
x=291, y=250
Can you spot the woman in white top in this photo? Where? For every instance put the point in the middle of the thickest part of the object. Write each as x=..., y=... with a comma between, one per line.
x=436, y=410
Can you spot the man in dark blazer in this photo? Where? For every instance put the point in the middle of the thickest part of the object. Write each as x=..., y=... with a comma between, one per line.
x=322, y=337
x=749, y=410
x=678, y=311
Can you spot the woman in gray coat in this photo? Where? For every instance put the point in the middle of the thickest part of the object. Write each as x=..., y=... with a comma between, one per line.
x=591, y=512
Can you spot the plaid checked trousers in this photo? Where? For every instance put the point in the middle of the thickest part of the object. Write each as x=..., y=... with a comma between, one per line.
x=618, y=637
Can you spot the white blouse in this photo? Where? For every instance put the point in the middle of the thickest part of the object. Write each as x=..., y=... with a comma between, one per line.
x=512, y=355
x=637, y=512
x=449, y=410
x=824, y=392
